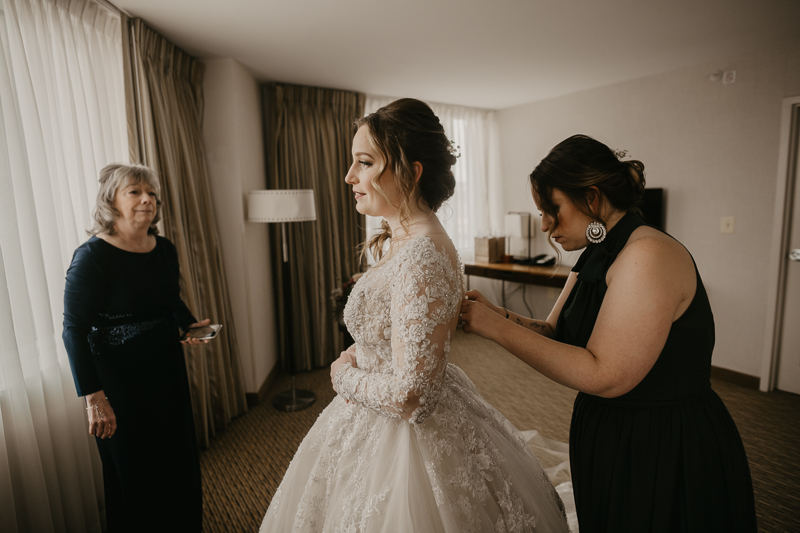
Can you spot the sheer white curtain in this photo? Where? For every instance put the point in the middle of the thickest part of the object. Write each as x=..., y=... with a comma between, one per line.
x=62, y=118
x=476, y=206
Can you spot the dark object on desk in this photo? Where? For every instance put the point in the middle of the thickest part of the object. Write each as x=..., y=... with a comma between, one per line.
x=539, y=260
x=652, y=207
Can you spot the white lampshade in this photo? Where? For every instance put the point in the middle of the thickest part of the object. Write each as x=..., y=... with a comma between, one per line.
x=281, y=205
x=518, y=225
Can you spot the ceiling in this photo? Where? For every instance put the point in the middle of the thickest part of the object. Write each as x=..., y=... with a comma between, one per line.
x=481, y=53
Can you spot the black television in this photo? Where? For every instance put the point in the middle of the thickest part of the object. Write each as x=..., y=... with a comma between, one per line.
x=652, y=207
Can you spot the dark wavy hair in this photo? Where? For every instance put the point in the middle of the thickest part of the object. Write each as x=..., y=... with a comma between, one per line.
x=578, y=163
x=404, y=132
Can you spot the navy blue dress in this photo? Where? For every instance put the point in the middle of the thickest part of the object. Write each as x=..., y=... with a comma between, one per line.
x=122, y=313
x=666, y=456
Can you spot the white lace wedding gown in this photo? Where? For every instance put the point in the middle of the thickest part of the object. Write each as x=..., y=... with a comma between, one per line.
x=409, y=445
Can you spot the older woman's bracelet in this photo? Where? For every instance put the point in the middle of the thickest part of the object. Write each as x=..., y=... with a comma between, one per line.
x=96, y=408
x=506, y=310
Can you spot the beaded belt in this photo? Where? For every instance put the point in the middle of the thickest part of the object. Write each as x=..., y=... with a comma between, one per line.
x=107, y=336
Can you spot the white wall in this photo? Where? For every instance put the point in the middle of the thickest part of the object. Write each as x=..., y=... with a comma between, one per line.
x=712, y=147
x=232, y=130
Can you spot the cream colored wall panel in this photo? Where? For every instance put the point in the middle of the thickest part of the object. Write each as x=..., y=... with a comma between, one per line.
x=233, y=137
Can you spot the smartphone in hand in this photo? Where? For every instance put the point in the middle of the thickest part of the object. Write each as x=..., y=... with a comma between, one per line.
x=201, y=333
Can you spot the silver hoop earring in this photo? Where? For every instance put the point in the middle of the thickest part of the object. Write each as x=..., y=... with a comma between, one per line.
x=596, y=232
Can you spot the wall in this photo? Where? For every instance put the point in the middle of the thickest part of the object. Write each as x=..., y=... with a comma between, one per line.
x=712, y=147
x=232, y=130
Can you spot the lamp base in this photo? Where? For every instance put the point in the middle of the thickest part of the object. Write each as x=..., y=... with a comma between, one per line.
x=293, y=399
x=296, y=400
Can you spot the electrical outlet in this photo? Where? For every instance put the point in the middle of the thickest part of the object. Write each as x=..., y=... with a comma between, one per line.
x=726, y=225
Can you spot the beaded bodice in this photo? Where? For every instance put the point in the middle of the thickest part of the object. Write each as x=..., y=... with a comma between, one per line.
x=402, y=315
x=457, y=465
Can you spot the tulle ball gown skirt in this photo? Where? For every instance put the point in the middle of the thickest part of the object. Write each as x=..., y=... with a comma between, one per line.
x=463, y=469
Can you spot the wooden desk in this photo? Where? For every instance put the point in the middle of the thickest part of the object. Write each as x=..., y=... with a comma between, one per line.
x=534, y=275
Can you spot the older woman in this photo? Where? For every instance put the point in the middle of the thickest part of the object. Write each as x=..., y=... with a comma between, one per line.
x=122, y=314
x=652, y=446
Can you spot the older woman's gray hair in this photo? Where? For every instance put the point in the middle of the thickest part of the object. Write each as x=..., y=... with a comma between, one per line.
x=112, y=177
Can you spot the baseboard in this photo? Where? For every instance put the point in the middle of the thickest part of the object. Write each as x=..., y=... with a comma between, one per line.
x=254, y=398
x=731, y=376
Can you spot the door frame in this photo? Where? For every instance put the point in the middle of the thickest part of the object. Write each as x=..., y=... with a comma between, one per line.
x=788, y=162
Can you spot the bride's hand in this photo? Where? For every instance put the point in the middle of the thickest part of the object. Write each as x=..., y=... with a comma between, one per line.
x=479, y=318
x=346, y=357
x=476, y=296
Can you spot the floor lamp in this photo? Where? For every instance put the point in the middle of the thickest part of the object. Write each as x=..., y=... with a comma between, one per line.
x=288, y=205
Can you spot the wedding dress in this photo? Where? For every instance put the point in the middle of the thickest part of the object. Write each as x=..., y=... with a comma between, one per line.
x=409, y=445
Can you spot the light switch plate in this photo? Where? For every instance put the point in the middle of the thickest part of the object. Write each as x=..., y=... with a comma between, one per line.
x=726, y=225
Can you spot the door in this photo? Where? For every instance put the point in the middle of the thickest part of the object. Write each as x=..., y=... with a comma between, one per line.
x=789, y=347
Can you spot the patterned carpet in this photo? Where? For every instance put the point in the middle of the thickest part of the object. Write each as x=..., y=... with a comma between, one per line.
x=246, y=462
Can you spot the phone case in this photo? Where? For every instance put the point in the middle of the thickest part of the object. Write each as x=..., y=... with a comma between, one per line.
x=202, y=333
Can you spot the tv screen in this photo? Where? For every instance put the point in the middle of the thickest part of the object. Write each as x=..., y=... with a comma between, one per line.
x=652, y=207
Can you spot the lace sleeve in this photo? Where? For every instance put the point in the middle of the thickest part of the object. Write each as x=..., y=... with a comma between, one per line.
x=426, y=295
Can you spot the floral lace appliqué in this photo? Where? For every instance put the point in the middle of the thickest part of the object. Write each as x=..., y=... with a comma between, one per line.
x=411, y=421
x=404, y=332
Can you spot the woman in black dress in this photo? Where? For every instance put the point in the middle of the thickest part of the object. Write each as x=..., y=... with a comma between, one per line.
x=652, y=446
x=122, y=314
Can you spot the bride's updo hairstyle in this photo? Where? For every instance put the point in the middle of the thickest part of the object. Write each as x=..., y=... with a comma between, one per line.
x=580, y=162
x=404, y=132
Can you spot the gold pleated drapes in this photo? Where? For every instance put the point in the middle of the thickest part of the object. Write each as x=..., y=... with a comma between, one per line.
x=165, y=106
x=308, y=138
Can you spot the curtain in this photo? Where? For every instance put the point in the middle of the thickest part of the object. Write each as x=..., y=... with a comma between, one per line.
x=165, y=118
x=308, y=137
x=61, y=120
x=475, y=208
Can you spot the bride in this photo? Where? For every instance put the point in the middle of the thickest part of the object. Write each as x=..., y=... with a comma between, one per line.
x=409, y=445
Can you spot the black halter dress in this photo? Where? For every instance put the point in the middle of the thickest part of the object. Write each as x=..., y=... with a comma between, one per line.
x=666, y=456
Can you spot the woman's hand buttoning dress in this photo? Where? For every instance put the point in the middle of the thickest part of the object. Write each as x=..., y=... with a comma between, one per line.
x=409, y=445
x=122, y=314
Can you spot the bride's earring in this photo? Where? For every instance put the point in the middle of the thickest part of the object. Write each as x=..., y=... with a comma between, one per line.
x=596, y=232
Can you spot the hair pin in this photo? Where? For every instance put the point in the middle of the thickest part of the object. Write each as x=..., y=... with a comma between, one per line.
x=455, y=149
